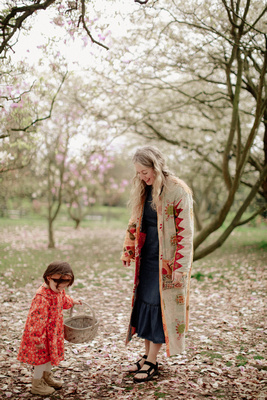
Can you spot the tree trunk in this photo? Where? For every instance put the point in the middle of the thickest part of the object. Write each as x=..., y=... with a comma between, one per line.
x=200, y=253
x=51, y=240
x=77, y=223
x=198, y=222
x=264, y=185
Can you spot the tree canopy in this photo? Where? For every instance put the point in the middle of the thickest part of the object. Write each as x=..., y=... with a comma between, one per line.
x=191, y=77
x=15, y=15
x=197, y=81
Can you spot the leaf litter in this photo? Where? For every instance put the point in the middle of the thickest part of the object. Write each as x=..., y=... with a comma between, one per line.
x=226, y=342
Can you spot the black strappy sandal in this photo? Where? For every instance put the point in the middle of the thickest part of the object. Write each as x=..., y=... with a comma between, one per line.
x=137, y=363
x=150, y=372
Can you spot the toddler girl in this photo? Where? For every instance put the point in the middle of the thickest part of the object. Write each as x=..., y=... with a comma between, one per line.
x=42, y=342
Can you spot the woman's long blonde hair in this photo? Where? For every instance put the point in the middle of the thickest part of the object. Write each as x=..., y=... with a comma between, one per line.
x=150, y=157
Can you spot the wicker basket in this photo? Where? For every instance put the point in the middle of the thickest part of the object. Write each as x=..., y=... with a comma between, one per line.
x=81, y=328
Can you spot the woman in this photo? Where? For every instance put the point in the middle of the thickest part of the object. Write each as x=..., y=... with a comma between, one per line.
x=160, y=240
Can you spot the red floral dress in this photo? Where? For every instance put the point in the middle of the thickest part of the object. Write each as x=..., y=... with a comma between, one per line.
x=45, y=325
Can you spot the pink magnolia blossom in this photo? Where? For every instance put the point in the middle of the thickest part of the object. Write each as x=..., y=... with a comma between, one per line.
x=59, y=20
x=59, y=157
x=85, y=40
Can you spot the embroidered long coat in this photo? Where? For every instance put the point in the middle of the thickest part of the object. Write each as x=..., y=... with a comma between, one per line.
x=175, y=232
x=44, y=325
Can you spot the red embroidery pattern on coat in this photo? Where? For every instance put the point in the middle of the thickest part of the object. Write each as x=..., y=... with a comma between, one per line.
x=179, y=230
x=44, y=325
x=180, y=299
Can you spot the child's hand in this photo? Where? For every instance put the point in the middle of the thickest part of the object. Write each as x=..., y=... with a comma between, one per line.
x=77, y=302
x=40, y=346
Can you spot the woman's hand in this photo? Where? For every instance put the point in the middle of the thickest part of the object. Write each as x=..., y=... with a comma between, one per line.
x=126, y=263
x=177, y=277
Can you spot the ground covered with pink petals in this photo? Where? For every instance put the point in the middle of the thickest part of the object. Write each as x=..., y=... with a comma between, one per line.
x=226, y=343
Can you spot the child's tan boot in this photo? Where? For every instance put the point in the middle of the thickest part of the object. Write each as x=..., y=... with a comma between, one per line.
x=39, y=386
x=51, y=381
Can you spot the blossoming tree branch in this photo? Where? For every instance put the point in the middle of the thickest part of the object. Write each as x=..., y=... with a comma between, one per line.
x=74, y=13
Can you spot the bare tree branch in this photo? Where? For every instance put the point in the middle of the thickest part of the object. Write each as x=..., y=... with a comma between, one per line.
x=14, y=166
x=141, y=1
x=235, y=222
x=14, y=20
x=258, y=212
x=82, y=18
x=183, y=144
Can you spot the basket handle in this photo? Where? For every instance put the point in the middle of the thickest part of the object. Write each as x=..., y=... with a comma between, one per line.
x=91, y=309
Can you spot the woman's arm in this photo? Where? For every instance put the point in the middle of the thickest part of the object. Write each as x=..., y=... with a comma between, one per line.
x=129, y=244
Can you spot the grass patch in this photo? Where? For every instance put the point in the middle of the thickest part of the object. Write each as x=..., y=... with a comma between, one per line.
x=211, y=354
x=257, y=357
x=24, y=260
x=241, y=360
x=199, y=276
x=24, y=254
x=160, y=395
x=128, y=388
x=262, y=245
x=79, y=286
x=118, y=216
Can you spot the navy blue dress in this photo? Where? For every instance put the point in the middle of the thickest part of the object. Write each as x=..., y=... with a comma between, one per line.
x=146, y=315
